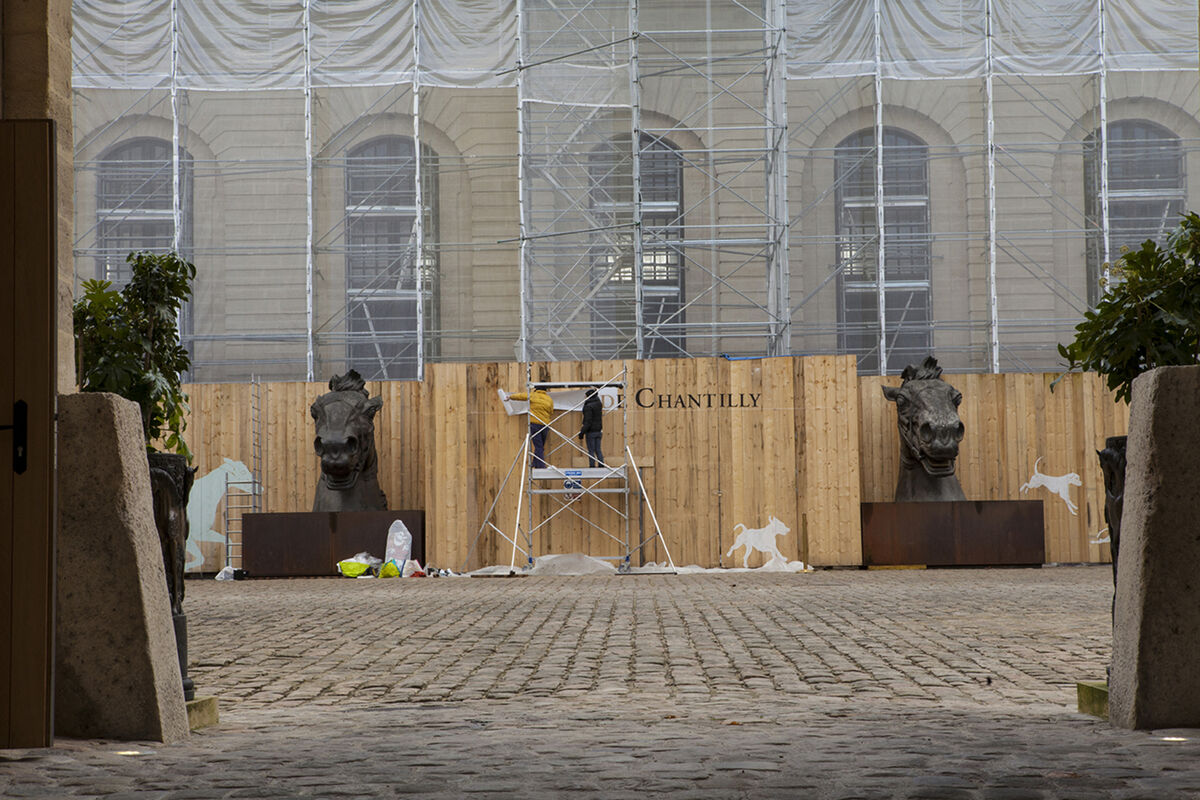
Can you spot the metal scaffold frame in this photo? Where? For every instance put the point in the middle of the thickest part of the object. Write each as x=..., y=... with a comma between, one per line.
x=246, y=496
x=585, y=493
x=607, y=92
x=995, y=155
x=586, y=245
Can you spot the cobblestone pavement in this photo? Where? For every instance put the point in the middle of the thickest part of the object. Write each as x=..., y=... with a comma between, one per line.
x=834, y=684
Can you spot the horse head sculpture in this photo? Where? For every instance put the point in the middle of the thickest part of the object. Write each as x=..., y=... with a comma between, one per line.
x=930, y=430
x=345, y=443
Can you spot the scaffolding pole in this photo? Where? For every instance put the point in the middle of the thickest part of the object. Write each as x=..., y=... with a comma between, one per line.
x=419, y=219
x=176, y=187
x=1103, y=102
x=993, y=310
x=776, y=179
x=880, y=216
x=309, y=271
x=635, y=155
x=522, y=348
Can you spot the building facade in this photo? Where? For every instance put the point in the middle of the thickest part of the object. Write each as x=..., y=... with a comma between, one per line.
x=379, y=185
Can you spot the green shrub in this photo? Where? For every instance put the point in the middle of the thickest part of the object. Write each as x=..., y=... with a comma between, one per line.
x=127, y=342
x=1150, y=315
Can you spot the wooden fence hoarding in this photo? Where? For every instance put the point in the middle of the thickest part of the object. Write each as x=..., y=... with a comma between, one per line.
x=720, y=443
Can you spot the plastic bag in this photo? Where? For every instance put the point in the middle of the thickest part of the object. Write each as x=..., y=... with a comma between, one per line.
x=359, y=566
x=226, y=574
x=399, y=544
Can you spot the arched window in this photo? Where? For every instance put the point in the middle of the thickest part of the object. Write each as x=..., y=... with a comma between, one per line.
x=135, y=211
x=382, y=261
x=134, y=208
x=661, y=176
x=907, y=253
x=1146, y=191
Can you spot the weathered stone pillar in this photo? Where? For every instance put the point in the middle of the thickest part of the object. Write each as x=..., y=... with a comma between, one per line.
x=116, y=669
x=1156, y=630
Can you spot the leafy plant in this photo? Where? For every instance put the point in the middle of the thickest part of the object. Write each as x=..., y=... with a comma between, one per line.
x=127, y=342
x=1149, y=318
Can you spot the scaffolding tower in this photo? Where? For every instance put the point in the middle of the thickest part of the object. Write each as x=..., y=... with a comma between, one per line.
x=598, y=495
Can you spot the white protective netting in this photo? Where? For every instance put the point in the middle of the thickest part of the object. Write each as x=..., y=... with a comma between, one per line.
x=248, y=134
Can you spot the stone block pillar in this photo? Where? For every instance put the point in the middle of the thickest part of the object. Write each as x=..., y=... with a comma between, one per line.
x=116, y=668
x=1156, y=630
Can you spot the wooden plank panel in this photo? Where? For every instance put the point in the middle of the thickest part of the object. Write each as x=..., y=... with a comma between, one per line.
x=880, y=448
x=820, y=440
x=738, y=500
x=672, y=504
x=639, y=422
x=446, y=518
x=273, y=453
x=1059, y=411
x=831, y=446
x=779, y=453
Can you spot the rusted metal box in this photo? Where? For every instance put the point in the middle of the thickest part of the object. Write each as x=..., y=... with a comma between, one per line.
x=310, y=543
x=970, y=533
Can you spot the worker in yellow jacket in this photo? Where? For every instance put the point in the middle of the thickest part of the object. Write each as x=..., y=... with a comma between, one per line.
x=541, y=411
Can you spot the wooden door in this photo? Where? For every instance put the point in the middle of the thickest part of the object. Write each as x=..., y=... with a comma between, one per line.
x=27, y=402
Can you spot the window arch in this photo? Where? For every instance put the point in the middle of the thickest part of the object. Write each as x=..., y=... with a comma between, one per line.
x=382, y=261
x=661, y=177
x=134, y=204
x=1147, y=191
x=907, y=274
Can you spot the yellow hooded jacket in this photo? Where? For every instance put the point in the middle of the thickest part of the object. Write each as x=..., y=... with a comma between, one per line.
x=541, y=405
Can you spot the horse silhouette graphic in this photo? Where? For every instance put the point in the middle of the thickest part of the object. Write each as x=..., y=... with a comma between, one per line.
x=1058, y=484
x=207, y=493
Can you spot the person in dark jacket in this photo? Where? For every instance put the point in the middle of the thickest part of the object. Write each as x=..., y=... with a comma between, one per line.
x=593, y=425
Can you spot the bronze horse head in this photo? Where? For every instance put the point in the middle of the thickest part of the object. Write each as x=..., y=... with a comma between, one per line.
x=345, y=443
x=930, y=430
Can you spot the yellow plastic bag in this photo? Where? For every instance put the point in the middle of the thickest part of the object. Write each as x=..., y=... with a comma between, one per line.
x=351, y=568
x=389, y=570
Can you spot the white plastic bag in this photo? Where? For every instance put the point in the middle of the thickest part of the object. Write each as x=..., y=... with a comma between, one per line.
x=399, y=544
x=226, y=574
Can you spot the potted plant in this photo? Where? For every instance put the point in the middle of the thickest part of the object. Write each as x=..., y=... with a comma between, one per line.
x=1149, y=317
x=127, y=342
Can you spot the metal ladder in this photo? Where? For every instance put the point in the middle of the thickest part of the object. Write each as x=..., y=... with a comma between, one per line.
x=248, y=497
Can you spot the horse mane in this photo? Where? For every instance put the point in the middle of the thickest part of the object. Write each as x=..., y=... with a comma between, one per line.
x=350, y=382
x=927, y=371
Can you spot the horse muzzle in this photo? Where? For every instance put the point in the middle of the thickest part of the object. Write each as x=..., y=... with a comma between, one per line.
x=938, y=460
x=339, y=476
x=938, y=467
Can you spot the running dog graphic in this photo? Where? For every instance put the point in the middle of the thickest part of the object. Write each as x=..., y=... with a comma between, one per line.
x=760, y=539
x=1059, y=484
